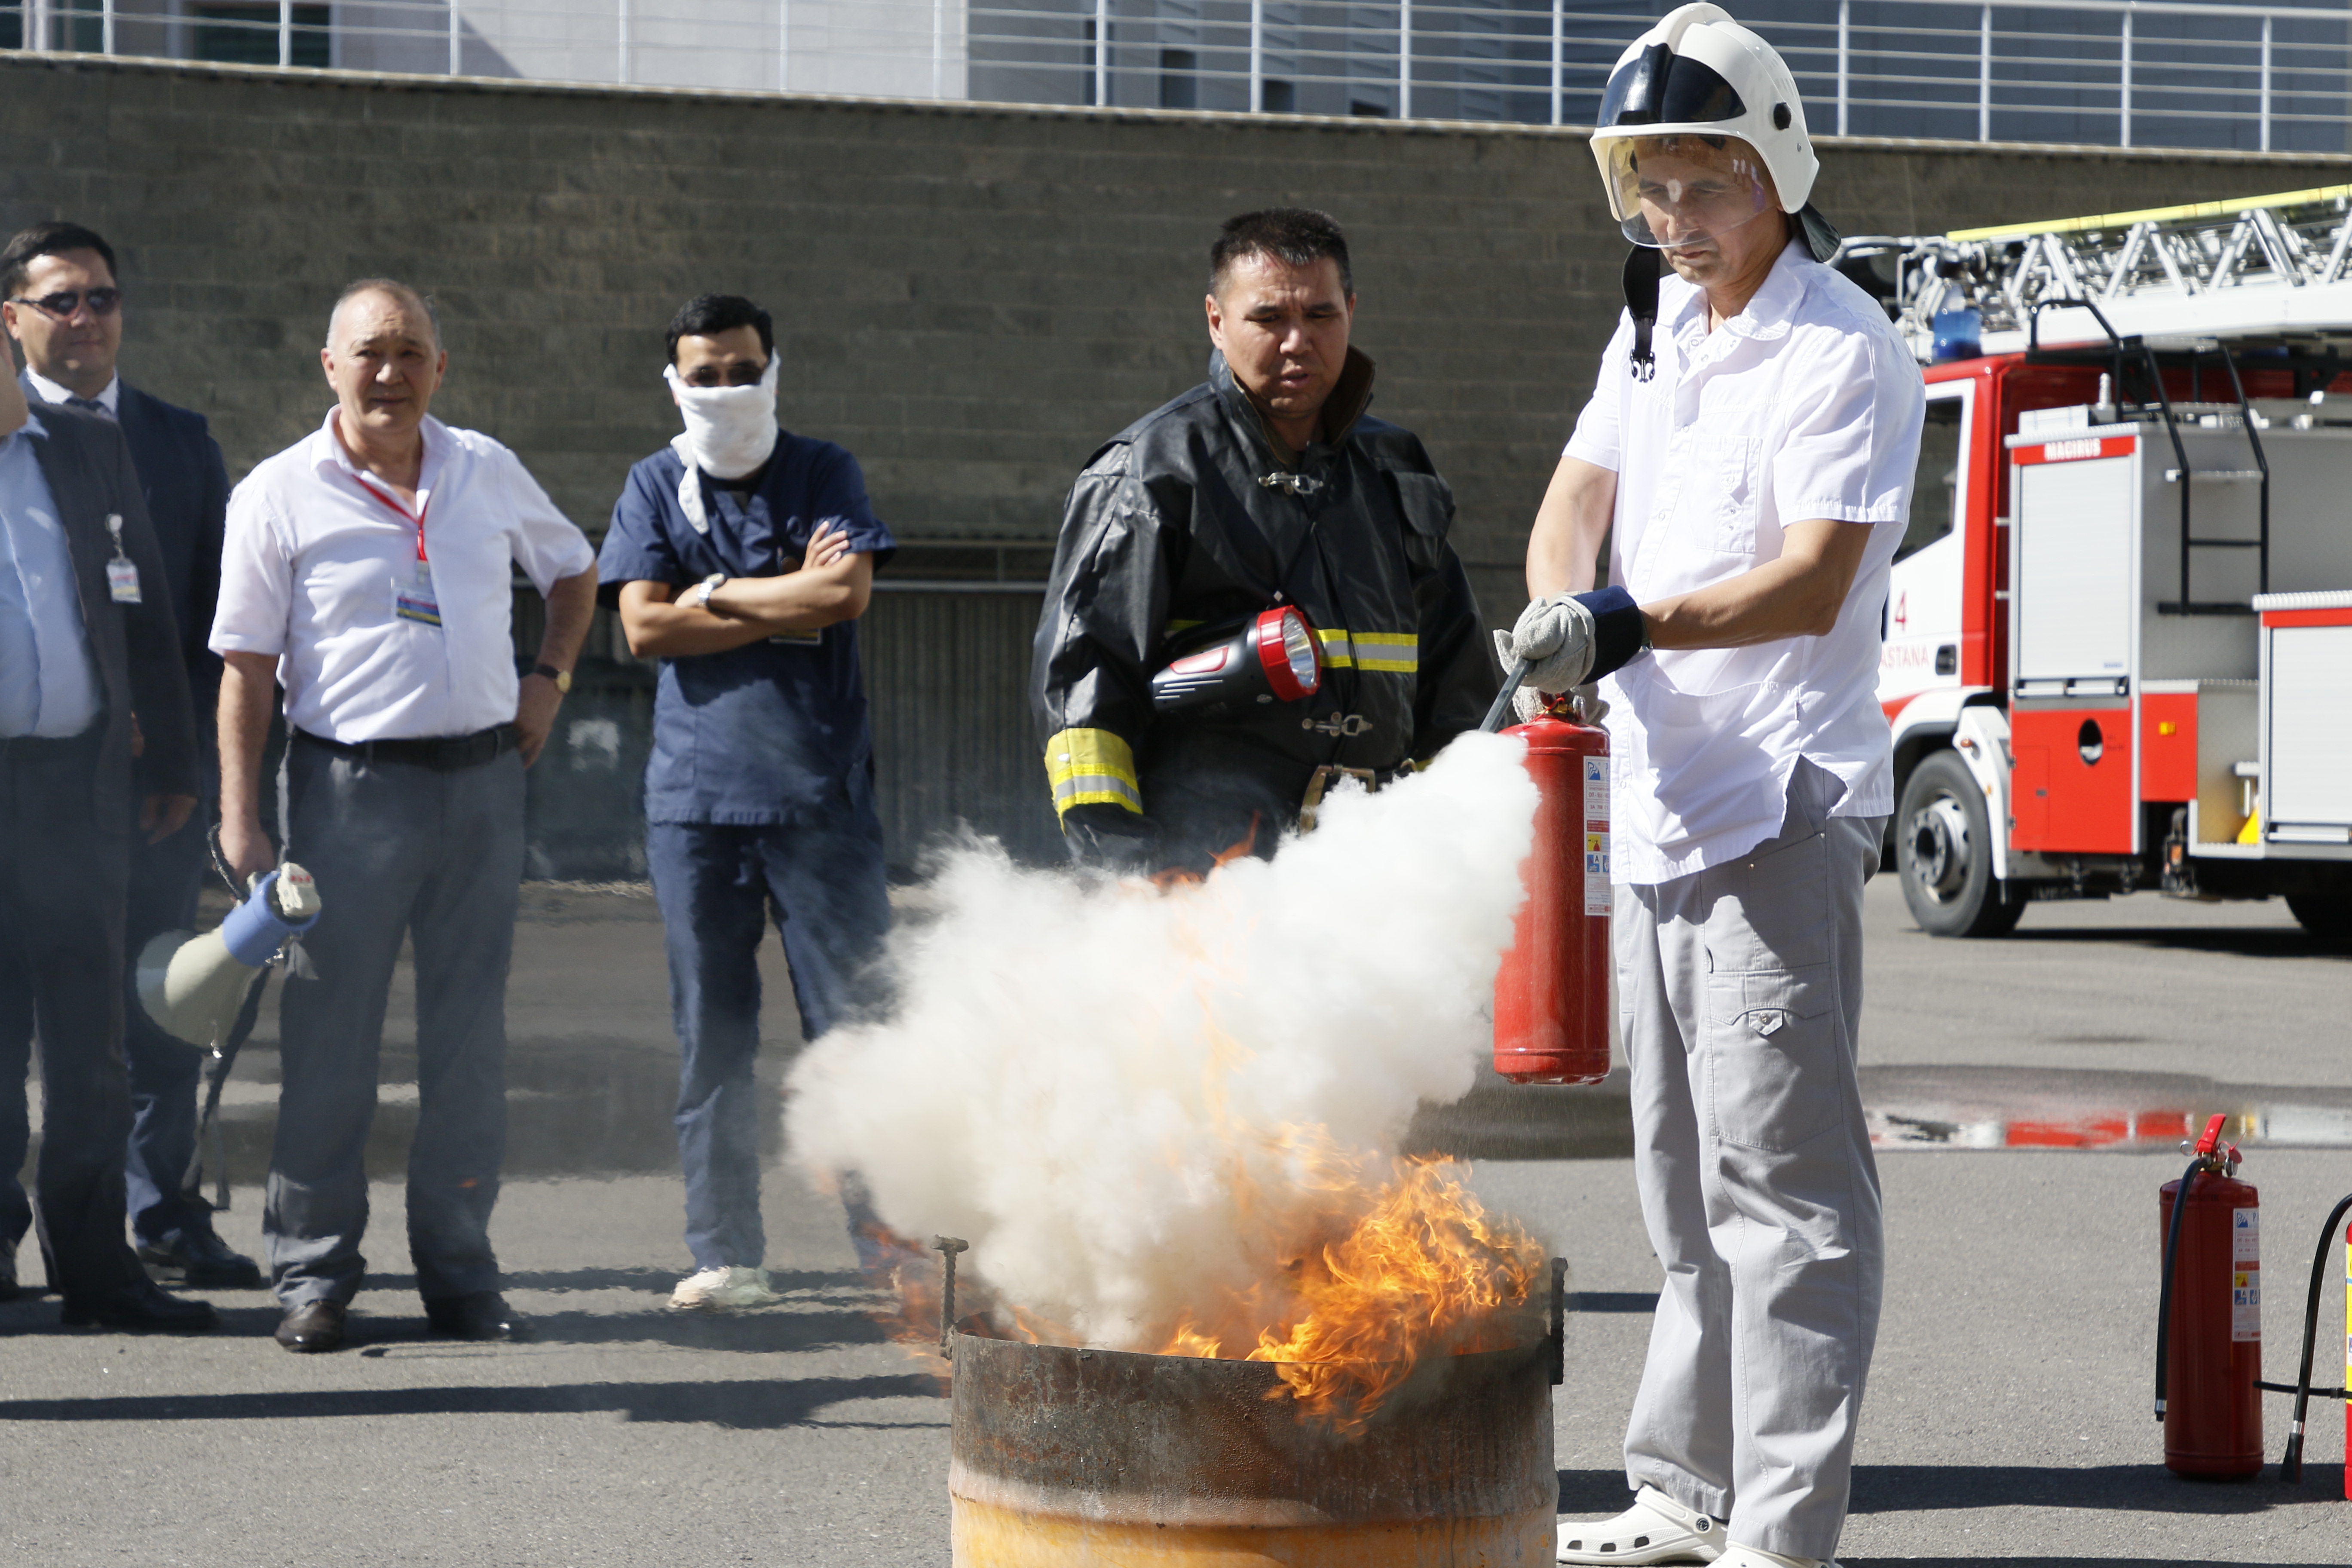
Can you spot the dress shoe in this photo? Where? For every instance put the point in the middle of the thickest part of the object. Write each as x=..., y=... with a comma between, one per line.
x=198, y=1257
x=483, y=1315
x=313, y=1328
x=140, y=1306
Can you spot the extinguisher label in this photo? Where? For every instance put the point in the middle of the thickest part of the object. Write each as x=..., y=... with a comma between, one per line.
x=2246, y=1275
x=1598, y=894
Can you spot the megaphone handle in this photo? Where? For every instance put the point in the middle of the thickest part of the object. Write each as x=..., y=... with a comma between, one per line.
x=1502, y=708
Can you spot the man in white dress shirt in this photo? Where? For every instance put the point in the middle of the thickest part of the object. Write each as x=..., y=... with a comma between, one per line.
x=1751, y=442
x=367, y=570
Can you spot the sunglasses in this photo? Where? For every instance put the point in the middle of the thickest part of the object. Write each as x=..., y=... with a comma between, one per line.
x=64, y=303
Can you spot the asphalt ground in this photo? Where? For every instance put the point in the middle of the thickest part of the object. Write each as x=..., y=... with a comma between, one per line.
x=2007, y=1418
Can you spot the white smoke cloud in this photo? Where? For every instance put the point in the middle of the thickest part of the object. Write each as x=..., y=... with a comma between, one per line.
x=1091, y=1082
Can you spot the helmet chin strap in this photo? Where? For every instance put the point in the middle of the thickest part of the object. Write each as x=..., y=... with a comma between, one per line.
x=1642, y=304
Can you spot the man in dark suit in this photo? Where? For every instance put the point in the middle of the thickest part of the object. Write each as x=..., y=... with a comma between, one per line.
x=94, y=706
x=60, y=300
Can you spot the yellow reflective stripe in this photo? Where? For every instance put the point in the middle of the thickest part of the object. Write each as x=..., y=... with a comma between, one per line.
x=1398, y=653
x=1391, y=653
x=1175, y=628
x=1092, y=767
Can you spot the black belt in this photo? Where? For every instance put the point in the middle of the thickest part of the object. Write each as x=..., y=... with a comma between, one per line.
x=447, y=753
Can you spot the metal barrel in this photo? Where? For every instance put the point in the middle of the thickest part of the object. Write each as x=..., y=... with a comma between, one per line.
x=1085, y=1459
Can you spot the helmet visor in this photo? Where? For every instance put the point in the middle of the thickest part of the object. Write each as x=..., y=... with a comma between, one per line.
x=1659, y=87
x=1672, y=191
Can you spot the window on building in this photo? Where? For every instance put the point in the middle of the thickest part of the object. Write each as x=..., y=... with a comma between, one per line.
x=1363, y=111
x=1281, y=98
x=247, y=34
x=12, y=26
x=1179, y=88
x=1087, y=59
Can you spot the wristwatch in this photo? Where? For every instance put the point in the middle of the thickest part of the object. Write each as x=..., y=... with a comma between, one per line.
x=562, y=678
x=698, y=596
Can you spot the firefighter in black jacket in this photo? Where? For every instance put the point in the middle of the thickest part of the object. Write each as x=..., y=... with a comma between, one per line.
x=1266, y=486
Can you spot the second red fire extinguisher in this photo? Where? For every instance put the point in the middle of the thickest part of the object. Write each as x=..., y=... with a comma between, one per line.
x=2208, y=1336
x=1551, y=994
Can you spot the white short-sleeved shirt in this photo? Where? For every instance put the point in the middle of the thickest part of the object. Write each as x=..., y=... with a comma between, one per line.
x=1805, y=405
x=314, y=559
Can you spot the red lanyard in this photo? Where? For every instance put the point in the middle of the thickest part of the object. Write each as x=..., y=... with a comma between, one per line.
x=405, y=515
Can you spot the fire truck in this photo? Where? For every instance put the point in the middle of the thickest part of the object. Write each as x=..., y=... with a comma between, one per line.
x=2118, y=633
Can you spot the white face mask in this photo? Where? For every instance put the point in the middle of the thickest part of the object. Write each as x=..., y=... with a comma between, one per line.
x=730, y=430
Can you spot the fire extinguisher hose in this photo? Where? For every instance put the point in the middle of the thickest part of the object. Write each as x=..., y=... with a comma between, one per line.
x=2171, y=1254
x=2291, y=1462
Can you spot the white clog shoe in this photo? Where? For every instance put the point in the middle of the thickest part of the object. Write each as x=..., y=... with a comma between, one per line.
x=1657, y=1529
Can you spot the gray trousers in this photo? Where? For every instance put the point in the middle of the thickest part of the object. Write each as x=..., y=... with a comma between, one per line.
x=398, y=850
x=1740, y=990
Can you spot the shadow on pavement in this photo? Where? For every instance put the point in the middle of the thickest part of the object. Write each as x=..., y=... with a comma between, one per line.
x=1914, y=1488
x=756, y=1403
x=2259, y=941
x=658, y=1281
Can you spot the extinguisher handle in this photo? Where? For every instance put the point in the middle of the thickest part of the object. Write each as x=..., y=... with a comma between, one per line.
x=2212, y=1141
x=1502, y=708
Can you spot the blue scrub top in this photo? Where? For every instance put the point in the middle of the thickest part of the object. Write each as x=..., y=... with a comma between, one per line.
x=774, y=733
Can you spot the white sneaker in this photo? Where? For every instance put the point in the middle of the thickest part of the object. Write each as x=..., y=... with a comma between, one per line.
x=1657, y=1529
x=1757, y=1557
x=724, y=1289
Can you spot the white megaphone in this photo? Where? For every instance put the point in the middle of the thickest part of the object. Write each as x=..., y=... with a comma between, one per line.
x=193, y=985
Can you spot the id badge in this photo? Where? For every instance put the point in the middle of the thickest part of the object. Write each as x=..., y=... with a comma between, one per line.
x=415, y=602
x=122, y=572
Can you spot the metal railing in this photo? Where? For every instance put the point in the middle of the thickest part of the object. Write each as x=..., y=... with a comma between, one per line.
x=2127, y=72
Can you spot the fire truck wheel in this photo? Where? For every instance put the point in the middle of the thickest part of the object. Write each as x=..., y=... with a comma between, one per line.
x=1943, y=851
x=2327, y=916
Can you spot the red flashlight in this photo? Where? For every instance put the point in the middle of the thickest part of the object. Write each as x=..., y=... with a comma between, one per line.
x=1273, y=656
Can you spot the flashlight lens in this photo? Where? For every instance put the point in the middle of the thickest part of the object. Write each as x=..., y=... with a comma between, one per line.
x=1298, y=647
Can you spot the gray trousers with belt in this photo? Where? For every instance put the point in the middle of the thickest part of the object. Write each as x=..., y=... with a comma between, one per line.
x=399, y=850
x=1739, y=993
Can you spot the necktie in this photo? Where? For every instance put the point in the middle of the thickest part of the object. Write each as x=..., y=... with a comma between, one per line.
x=90, y=405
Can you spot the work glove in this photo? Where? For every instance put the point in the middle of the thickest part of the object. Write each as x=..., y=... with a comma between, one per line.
x=1555, y=636
x=1572, y=639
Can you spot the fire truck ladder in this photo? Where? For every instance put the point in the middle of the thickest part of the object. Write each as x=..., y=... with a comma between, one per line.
x=2167, y=287
x=2136, y=355
x=2252, y=267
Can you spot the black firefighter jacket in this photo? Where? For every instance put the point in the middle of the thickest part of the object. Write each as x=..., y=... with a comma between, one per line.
x=1192, y=516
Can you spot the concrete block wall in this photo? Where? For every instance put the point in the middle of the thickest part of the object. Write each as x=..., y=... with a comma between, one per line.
x=970, y=296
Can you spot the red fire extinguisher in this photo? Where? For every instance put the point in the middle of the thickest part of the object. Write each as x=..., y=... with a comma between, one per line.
x=1551, y=995
x=2209, y=1334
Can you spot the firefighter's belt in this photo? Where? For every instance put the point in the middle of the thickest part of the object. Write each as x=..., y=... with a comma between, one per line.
x=1330, y=773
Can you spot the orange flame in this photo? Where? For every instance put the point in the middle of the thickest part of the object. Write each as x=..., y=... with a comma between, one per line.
x=1425, y=1271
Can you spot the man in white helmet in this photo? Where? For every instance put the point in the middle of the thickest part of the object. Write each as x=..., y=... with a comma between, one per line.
x=1748, y=455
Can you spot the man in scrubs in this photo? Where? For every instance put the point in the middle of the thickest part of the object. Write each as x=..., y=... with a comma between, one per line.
x=742, y=555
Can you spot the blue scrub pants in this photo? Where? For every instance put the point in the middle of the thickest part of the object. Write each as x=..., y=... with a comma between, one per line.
x=716, y=884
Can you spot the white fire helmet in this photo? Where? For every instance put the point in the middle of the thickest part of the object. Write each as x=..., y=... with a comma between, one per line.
x=1700, y=74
